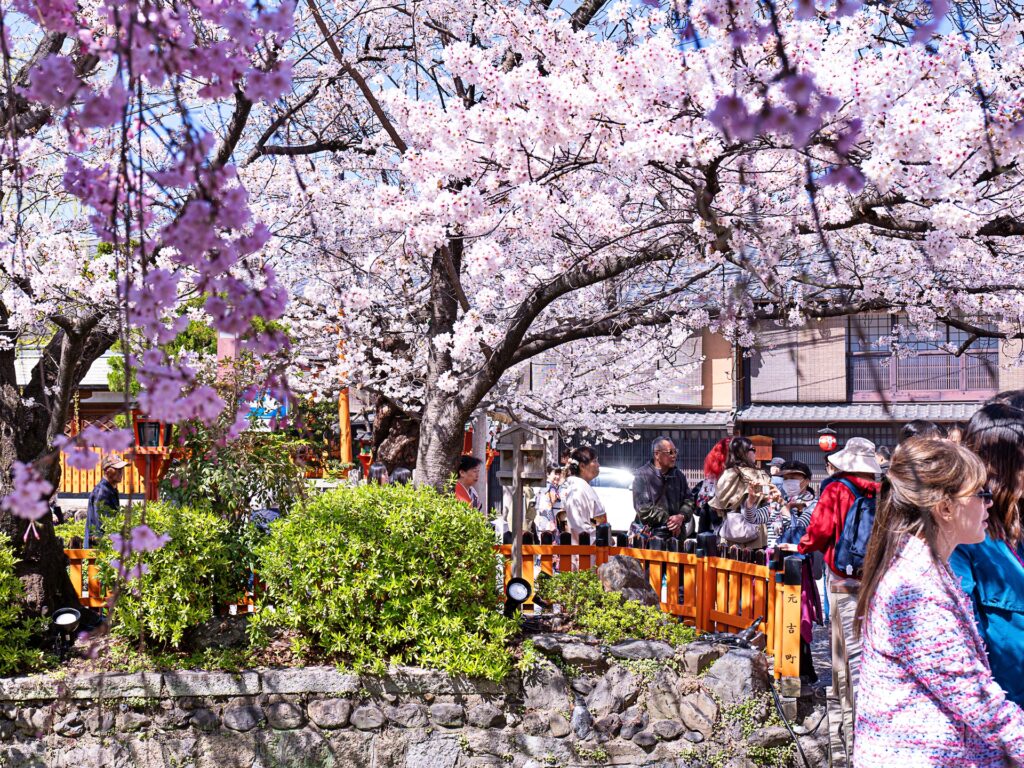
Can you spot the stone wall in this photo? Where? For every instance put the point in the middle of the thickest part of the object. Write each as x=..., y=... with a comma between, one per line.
x=633, y=704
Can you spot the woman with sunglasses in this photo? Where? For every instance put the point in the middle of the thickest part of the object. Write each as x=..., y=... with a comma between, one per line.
x=927, y=696
x=992, y=572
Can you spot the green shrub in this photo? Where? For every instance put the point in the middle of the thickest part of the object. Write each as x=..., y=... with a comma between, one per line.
x=376, y=575
x=608, y=615
x=201, y=567
x=16, y=631
x=70, y=529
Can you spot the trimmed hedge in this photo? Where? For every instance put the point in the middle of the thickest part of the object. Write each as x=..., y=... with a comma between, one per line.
x=376, y=575
x=203, y=566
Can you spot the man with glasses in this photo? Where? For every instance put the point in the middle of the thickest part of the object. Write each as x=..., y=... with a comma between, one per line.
x=661, y=496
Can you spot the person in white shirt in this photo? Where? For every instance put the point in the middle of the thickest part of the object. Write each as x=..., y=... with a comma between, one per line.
x=583, y=509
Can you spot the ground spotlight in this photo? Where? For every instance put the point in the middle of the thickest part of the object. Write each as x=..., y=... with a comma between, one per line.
x=65, y=624
x=517, y=592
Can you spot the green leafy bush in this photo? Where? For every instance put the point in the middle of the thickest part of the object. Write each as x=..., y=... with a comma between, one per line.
x=232, y=477
x=204, y=565
x=16, y=631
x=608, y=615
x=376, y=575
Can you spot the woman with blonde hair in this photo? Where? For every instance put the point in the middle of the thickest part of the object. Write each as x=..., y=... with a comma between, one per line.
x=927, y=696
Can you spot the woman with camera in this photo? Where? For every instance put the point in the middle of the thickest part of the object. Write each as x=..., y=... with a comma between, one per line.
x=734, y=487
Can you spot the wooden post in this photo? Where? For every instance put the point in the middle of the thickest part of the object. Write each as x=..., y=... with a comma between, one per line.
x=480, y=451
x=787, y=655
x=344, y=427
x=517, y=504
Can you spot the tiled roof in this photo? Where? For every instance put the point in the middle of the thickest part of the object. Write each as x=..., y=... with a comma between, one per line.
x=859, y=412
x=665, y=419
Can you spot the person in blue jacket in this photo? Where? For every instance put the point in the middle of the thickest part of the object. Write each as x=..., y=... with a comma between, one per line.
x=992, y=572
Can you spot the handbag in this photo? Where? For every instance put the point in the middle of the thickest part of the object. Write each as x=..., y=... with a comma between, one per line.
x=736, y=530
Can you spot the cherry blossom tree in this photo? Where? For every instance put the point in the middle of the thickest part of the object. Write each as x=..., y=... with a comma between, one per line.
x=120, y=120
x=451, y=190
x=473, y=185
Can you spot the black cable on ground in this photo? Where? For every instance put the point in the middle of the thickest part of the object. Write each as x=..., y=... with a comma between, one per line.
x=785, y=721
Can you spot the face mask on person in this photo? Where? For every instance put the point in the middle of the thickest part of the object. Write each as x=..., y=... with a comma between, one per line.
x=791, y=488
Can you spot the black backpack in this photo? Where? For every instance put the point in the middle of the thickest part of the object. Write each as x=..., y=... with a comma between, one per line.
x=853, y=540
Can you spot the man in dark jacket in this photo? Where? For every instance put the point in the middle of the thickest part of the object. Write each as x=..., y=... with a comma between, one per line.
x=104, y=497
x=661, y=496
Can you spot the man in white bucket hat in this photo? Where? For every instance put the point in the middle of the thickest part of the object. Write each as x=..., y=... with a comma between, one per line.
x=856, y=468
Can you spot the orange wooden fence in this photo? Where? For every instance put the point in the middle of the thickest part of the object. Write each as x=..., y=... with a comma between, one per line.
x=712, y=594
x=90, y=592
x=84, y=480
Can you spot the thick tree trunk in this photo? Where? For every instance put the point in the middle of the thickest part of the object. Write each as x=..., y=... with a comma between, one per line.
x=441, y=436
x=396, y=435
x=29, y=422
x=41, y=566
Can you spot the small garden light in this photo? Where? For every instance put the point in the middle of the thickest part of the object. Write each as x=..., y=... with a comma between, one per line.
x=517, y=592
x=65, y=623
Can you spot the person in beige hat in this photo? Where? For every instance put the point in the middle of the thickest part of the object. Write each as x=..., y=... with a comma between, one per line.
x=856, y=468
x=104, y=497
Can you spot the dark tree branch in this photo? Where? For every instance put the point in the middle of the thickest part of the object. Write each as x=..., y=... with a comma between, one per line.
x=585, y=14
x=314, y=148
x=359, y=80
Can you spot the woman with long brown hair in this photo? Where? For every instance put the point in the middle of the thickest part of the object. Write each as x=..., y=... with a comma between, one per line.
x=992, y=572
x=927, y=696
x=740, y=479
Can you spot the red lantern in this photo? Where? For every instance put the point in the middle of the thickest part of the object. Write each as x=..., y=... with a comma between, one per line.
x=827, y=439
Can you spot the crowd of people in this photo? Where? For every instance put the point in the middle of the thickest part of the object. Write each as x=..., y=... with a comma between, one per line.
x=921, y=554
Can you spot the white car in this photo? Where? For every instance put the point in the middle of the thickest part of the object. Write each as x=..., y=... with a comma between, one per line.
x=614, y=487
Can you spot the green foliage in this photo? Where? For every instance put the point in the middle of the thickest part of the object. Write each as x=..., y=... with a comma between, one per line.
x=199, y=338
x=752, y=714
x=16, y=631
x=375, y=575
x=758, y=713
x=646, y=669
x=204, y=565
x=608, y=615
x=596, y=754
x=232, y=476
x=71, y=529
x=528, y=659
x=255, y=469
x=772, y=757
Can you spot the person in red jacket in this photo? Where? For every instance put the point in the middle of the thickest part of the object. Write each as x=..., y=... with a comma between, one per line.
x=857, y=465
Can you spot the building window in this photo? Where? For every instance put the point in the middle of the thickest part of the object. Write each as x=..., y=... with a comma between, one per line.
x=927, y=370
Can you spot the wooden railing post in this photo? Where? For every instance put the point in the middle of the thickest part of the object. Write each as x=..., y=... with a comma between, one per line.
x=529, y=570
x=547, y=562
x=707, y=547
x=787, y=656
x=602, y=540
x=774, y=618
